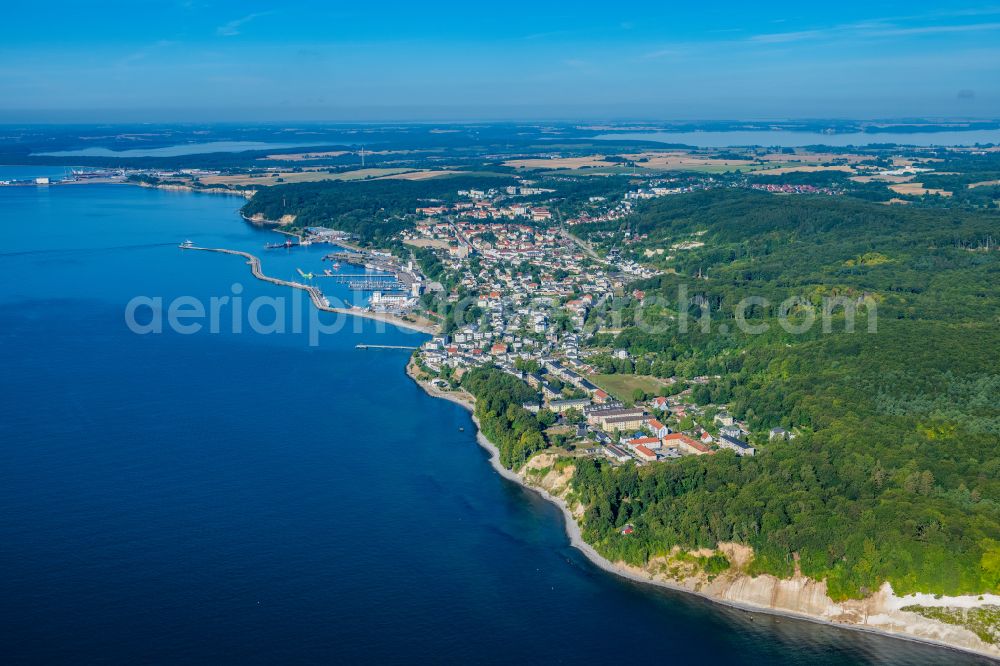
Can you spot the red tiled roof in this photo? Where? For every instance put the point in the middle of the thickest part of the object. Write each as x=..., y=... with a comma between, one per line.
x=678, y=437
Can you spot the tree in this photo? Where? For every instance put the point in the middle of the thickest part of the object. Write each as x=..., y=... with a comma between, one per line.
x=702, y=395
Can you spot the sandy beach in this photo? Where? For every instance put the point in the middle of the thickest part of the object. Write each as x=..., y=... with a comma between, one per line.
x=387, y=318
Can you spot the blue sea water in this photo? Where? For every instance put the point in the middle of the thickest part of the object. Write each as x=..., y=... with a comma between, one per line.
x=244, y=498
x=14, y=172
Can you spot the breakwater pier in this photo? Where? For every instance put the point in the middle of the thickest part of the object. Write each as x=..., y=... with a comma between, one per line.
x=315, y=295
x=385, y=347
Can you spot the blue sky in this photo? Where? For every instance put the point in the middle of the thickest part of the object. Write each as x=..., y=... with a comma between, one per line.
x=198, y=60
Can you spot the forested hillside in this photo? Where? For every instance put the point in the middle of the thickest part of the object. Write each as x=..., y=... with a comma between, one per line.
x=374, y=210
x=895, y=474
x=514, y=430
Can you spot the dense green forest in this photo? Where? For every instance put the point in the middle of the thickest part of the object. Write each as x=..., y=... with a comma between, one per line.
x=573, y=193
x=514, y=430
x=373, y=210
x=895, y=474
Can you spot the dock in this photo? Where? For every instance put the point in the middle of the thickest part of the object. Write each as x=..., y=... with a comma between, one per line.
x=344, y=277
x=346, y=257
x=375, y=285
x=385, y=347
x=398, y=278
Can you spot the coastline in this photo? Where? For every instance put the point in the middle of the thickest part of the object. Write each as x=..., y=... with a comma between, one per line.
x=573, y=531
x=172, y=187
x=246, y=194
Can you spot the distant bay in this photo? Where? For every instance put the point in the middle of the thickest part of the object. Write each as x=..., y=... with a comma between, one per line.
x=790, y=139
x=17, y=172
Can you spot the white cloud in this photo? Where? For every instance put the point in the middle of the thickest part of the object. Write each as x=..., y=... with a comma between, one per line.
x=868, y=29
x=671, y=52
x=934, y=29
x=232, y=28
x=783, y=37
x=143, y=53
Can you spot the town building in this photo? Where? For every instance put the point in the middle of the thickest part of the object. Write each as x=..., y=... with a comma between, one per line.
x=740, y=447
x=686, y=445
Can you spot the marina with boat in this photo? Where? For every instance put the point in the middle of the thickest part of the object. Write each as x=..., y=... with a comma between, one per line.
x=382, y=306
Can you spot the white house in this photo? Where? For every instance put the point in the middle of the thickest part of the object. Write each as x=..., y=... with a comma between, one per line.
x=659, y=430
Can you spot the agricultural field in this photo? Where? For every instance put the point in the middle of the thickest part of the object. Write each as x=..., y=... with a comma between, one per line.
x=422, y=174
x=560, y=162
x=301, y=157
x=680, y=160
x=917, y=189
x=801, y=168
x=623, y=387
x=272, y=177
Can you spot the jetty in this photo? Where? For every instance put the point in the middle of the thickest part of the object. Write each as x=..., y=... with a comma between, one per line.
x=385, y=347
x=315, y=295
x=318, y=299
